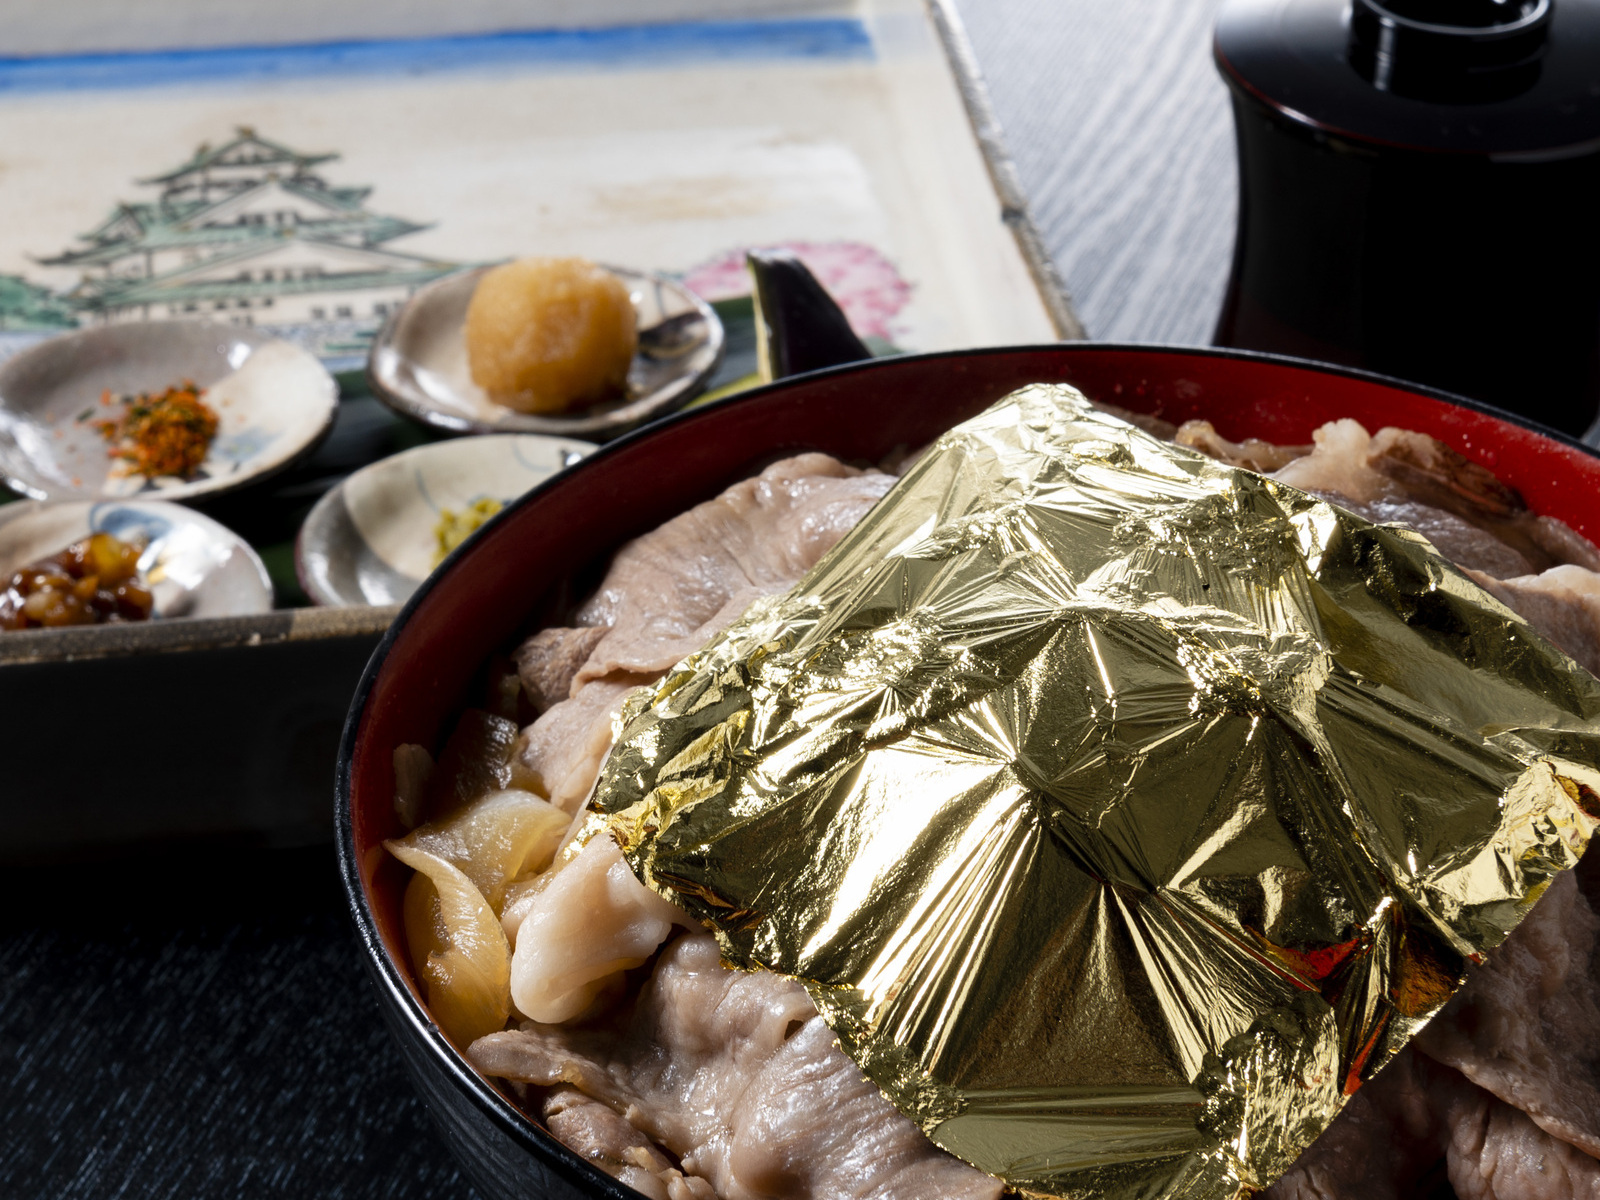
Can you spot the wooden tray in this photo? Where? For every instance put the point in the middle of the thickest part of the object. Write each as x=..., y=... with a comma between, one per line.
x=306, y=167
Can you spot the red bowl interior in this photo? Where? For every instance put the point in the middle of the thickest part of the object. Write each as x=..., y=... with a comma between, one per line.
x=521, y=563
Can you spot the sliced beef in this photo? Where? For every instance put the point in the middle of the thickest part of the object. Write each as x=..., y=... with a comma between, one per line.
x=1387, y=1141
x=667, y=592
x=737, y=1075
x=1526, y=1025
x=1420, y=1120
x=1564, y=545
x=548, y=662
x=1502, y=1087
x=1536, y=566
x=566, y=746
x=1252, y=453
x=901, y=459
x=606, y=1139
x=1427, y=477
x=1400, y=477
x=1338, y=463
x=1462, y=542
x=1562, y=603
x=1426, y=471
x=1496, y=1152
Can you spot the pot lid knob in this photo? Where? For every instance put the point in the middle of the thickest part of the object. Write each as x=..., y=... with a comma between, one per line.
x=1449, y=51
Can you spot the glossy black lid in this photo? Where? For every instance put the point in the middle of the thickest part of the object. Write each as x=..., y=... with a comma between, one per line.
x=1496, y=77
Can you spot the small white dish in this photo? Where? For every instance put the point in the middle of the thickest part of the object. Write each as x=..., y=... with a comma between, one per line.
x=193, y=566
x=274, y=401
x=372, y=539
x=418, y=363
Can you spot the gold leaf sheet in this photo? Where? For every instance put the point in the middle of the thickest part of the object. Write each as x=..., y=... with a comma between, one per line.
x=1123, y=812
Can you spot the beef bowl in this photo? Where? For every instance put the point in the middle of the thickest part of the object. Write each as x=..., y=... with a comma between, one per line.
x=533, y=562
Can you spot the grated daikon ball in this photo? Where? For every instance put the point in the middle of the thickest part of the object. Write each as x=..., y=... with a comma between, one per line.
x=546, y=335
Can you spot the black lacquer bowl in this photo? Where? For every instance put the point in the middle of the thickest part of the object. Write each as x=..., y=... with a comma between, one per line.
x=547, y=544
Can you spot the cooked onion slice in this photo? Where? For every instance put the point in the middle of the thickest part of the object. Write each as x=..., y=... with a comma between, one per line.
x=495, y=839
x=458, y=949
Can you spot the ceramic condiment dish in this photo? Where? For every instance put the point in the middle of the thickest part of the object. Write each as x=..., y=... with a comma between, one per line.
x=193, y=566
x=418, y=363
x=274, y=401
x=372, y=539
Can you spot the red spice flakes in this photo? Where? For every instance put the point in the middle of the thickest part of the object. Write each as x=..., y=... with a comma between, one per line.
x=160, y=434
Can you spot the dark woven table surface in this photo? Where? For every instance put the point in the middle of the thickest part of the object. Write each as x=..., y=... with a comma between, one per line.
x=149, y=1052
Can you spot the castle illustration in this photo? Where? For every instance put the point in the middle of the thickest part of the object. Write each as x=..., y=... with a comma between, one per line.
x=249, y=233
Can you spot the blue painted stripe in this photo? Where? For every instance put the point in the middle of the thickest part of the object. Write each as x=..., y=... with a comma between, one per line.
x=627, y=46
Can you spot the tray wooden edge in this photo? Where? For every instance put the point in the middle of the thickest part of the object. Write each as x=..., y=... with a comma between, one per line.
x=1014, y=210
x=194, y=634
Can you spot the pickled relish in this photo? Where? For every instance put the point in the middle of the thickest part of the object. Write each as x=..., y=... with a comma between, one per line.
x=92, y=582
x=165, y=433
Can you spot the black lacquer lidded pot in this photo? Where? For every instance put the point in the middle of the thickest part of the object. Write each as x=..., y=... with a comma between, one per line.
x=1420, y=192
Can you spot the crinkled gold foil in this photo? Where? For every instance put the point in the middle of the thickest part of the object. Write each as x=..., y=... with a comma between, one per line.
x=1123, y=812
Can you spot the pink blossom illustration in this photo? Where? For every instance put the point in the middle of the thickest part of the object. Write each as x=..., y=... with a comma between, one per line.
x=864, y=282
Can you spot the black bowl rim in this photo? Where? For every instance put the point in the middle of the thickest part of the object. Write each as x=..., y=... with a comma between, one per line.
x=490, y=1102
